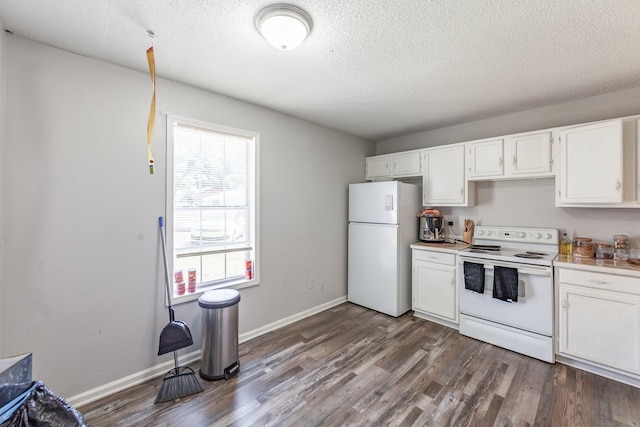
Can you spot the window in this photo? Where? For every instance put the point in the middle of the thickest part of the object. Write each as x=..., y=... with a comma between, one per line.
x=211, y=205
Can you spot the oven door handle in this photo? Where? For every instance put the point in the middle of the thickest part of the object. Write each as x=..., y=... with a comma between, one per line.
x=532, y=272
x=546, y=272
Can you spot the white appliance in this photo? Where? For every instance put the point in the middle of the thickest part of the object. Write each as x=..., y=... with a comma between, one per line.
x=524, y=326
x=382, y=225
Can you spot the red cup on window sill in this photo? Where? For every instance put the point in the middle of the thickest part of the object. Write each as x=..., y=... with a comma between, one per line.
x=248, y=270
x=180, y=288
x=178, y=277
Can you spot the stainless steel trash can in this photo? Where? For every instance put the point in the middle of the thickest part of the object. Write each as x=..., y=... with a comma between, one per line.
x=219, y=334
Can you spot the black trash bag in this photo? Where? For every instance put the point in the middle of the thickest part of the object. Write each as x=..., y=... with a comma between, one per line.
x=44, y=409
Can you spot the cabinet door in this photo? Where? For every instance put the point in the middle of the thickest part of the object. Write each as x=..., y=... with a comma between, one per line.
x=435, y=290
x=600, y=326
x=530, y=155
x=443, y=180
x=487, y=158
x=378, y=167
x=406, y=164
x=591, y=163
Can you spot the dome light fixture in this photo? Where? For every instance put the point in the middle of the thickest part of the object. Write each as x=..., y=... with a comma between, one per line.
x=283, y=25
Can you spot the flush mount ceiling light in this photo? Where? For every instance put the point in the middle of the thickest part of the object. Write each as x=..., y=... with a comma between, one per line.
x=283, y=25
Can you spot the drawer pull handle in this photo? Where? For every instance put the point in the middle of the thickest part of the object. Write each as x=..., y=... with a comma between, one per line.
x=599, y=282
x=564, y=304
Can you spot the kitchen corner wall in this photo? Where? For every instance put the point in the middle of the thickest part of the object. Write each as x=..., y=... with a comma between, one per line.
x=531, y=202
x=83, y=279
x=3, y=38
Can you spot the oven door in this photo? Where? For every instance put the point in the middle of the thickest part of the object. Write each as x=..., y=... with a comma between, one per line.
x=534, y=310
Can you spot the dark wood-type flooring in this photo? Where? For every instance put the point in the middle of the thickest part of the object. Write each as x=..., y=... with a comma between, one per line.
x=353, y=366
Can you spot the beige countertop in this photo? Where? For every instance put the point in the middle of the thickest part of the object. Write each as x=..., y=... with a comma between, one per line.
x=610, y=266
x=440, y=247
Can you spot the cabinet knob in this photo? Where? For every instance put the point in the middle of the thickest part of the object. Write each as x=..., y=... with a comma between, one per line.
x=564, y=304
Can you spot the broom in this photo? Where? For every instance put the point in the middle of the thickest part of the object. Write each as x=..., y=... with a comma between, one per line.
x=180, y=381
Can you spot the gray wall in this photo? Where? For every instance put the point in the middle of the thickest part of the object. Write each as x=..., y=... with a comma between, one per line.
x=83, y=278
x=3, y=38
x=531, y=202
x=612, y=105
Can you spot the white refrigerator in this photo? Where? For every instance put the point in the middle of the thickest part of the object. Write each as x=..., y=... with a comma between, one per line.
x=383, y=224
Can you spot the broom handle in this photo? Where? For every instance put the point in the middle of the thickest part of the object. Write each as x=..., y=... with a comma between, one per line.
x=166, y=267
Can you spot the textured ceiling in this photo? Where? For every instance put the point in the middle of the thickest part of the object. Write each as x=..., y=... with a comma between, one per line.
x=371, y=68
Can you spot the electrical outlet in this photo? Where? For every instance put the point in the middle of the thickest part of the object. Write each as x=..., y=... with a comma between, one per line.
x=450, y=223
x=311, y=283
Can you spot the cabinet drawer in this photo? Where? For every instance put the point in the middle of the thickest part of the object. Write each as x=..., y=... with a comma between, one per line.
x=609, y=282
x=432, y=256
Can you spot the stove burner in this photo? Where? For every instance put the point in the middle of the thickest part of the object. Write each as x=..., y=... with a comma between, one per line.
x=536, y=253
x=529, y=255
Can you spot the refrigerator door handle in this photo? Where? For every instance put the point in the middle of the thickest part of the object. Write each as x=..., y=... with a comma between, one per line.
x=388, y=202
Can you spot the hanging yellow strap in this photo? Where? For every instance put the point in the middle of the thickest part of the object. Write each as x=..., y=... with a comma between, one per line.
x=152, y=113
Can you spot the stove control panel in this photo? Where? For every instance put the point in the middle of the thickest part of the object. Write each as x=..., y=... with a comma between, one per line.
x=517, y=234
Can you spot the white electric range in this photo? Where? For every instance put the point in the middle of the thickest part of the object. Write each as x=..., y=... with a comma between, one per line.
x=523, y=323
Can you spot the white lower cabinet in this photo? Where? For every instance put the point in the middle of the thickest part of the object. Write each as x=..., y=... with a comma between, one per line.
x=434, y=292
x=599, y=319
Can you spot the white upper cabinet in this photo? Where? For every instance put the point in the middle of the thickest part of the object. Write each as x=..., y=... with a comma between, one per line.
x=406, y=164
x=396, y=165
x=598, y=163
x=444, y=182
x=529, y=155
x=486, y=159
x=379, y=167
x=525, y=155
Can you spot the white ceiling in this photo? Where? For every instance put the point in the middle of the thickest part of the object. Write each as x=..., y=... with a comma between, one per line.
x=371, y=68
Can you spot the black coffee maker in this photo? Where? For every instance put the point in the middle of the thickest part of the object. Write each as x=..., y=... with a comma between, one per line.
x=431, y=229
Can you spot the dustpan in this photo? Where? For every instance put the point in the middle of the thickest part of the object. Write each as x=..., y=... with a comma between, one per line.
x=174, y=336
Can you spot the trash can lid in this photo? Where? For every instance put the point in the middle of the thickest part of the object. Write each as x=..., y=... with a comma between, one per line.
x=219, y=298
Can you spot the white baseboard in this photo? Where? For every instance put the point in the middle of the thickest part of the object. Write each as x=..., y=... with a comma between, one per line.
x=611, y=373
x=129, y=381
x=161, y=369
x=289, y=320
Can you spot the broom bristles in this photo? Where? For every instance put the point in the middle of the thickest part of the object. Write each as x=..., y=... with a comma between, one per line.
x=177, y=383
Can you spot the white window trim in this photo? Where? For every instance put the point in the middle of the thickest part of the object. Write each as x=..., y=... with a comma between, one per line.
x=241, y=284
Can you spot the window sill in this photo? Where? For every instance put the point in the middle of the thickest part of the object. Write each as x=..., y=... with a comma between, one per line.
x=242, y=284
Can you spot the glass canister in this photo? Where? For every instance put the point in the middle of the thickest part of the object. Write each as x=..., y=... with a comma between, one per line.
x=604, y=251
x=621, y=247
x=582, y=247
